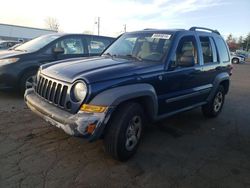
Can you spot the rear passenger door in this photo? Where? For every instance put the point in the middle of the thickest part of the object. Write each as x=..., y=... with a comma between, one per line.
x=210, y=61
x=96, y=45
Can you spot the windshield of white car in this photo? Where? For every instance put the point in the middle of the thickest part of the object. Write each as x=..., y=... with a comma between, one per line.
x=140, y=46
x=37, y=43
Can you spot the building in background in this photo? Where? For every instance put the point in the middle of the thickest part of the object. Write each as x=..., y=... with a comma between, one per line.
x=21, y=33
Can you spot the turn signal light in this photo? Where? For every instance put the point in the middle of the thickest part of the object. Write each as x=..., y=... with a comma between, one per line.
x=93, y=108
x=91, y=128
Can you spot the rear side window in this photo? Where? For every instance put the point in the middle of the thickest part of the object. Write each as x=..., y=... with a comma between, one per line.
x=222, y=49
x=208, y=50
x=96, y=45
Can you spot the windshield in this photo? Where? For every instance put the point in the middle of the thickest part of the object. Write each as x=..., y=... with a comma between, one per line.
x=3, y=45
x=141, y=46
x=37, y=43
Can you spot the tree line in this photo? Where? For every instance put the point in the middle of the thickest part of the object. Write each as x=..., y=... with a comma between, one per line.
x=238, y=44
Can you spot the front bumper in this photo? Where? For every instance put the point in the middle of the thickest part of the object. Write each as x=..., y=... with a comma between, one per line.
x=9, y=77
x=72, y=124
x=7, y=81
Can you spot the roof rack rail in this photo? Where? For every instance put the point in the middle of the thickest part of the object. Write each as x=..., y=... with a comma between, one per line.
x=149, y=29
x=204, y=28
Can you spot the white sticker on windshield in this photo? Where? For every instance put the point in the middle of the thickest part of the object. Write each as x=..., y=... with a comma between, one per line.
x=161, y=36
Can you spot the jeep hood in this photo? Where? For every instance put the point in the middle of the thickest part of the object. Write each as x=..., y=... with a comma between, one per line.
x=94, y=69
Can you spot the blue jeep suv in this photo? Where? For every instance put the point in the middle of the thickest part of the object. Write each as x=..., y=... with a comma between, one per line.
x=143, y=76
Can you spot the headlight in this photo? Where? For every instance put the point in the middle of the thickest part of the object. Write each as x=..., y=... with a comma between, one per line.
x=79, y=91
x=38, y=75
x=8, y=61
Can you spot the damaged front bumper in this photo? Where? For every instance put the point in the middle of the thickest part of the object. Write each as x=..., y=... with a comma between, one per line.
x=72, y=124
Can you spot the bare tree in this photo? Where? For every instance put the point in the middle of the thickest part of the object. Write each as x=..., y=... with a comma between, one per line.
x=52, y=23
x=247, y=42
x=230, y=38
x=231, y=42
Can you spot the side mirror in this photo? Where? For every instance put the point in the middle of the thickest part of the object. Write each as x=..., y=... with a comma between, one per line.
x=58, y=50
x=186, y=61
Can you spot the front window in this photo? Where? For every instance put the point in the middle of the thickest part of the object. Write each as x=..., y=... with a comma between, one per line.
x=186, y=48
x=37, y=43
x=71, y=46
x=141, y=46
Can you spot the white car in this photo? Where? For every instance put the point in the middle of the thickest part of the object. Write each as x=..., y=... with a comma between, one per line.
x=236, y=59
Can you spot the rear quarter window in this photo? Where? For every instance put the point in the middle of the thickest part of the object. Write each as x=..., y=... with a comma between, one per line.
x=222, y=50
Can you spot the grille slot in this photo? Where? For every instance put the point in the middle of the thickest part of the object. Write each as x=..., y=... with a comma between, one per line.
x=52, y=91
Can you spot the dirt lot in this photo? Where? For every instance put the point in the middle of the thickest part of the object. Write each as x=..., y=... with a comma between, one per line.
x=187, y=150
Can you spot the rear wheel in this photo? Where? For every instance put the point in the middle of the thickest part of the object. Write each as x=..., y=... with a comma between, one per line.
x=27, y=81
x=235, y=61
x=214, y=107
x=125, y=131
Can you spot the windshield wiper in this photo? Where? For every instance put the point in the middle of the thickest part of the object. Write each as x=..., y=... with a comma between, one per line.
x=20, y=50
x=108, y=54
x=133, y=57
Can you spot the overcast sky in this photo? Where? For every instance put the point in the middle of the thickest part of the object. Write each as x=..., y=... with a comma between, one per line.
x=232, y=16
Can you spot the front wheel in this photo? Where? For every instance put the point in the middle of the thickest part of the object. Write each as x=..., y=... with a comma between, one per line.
x=214, y=107
x=27, y=81
x=125, y=131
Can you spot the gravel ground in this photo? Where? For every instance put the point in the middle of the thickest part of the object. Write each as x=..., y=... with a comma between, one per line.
x=186, y=150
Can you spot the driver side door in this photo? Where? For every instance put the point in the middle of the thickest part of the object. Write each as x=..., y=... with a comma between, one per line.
x=183, y=85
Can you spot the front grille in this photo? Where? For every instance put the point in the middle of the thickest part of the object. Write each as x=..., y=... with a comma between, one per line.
x=53, y=91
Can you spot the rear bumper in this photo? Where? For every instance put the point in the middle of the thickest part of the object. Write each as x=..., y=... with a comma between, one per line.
x=72, y=124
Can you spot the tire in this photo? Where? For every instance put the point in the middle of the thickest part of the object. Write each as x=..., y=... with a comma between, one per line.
x=124, y=131
x=214, y=107
x=235, y=61
x=26, y=81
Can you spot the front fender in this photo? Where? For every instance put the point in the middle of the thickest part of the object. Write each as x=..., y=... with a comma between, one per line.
x=115, y=96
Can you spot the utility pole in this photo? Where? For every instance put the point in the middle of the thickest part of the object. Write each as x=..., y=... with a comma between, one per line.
x=98, y=25
x=125, y=28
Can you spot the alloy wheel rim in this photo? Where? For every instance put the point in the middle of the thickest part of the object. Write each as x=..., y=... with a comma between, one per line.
x=235, y=61
x=133, y=133
x=29, y=82
x=218, y=100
